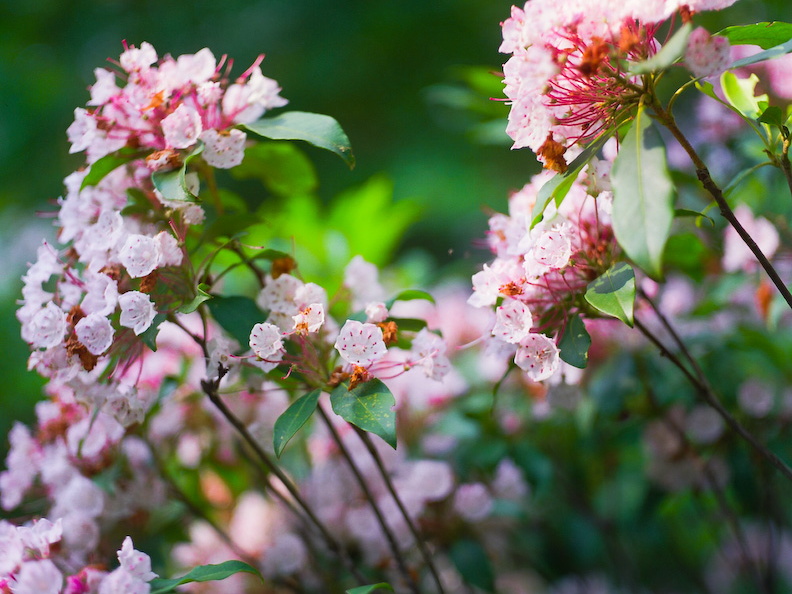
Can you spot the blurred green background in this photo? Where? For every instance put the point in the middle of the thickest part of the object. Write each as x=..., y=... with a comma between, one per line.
x=389, y=70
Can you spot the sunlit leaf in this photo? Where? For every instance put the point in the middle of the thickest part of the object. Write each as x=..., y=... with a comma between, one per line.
x=319, y=130
x=643, y=196
x=613, y=293
x=766, y=34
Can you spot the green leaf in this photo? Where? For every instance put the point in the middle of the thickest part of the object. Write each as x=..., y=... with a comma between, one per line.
x=171, y=184
x=739, y=93
x=686, y=212
x=409, y=324
x=643, y=196
x=319, y=130
x=473, y=565
x=293, y=418
x=668, y=54
x=203, y=573
x=559, y=185
x=371, y=588
x=101, y=167
x=410, y=295
x=200, y=296
x=270, y=254
x=766, y=34
x=149, y=337
x=237, y=315
x=774, y=116
x=369, y=406
x=281, y=166
x=768, y=54
x=575, y=343
x=613, y=293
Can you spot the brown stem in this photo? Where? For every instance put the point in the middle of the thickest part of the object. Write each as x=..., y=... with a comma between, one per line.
x=427, y=557
x=709, y=397
x=210, y=388
x=704, y=176
x=391, y=538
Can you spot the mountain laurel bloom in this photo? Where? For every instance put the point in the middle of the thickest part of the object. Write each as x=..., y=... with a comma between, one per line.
x=266, y=341
x=360, y=344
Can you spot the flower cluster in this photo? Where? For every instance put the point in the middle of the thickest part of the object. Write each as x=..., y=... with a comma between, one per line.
x=566, y=80
x=31, y=564
x=540, y=274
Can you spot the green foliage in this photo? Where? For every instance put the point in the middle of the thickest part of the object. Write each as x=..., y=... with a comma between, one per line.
x=201, y=296
x=280, y=166
x=643, y=196
x=671, y=51
x=172, y=184
x=101, y=167
x=203, y=573
x=368, y=406
x=317, y=129
x=371, y=588
x=473, y=564
x=766, y=35
x=613, y=293
x=410, y=295
x=575, y=343
x=293, y=418
x=237, y=315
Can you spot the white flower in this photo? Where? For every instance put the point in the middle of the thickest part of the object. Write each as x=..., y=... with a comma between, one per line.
x=95, y=332
x=310, y=318
x=472, y=501
x=38, y=577
x=182, y=127
x=278, y=295
x=360, y=344
x=431, y=349
x=362, y=278
x=265, y=340
x=224, y=149
x=140, y=255
x=376, y=312
x=135, y=562
x=513, y=321
x=47, y=327
x=538, y=356
x=137, y=311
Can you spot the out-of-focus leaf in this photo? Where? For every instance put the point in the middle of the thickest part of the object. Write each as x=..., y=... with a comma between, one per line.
x=282, y=167
x=203, y=573
x=371, y=588
x=410, y=295
x=740, y=93
x=768, y=54
x=575, y=343
x=668, y=54
x=101, y=167
x=473, y=564
x=237, y=315
x=699, y=216
x=172, y=184
x=766, y=34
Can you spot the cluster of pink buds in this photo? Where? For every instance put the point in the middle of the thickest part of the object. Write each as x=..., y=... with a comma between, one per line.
x=30, y=564
x=540, y=274
x=567, y=80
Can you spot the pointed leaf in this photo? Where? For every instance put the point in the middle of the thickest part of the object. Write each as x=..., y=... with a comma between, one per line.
x=369, y=406
x=149, y=337
x=237, y=315
x=371, y=588
x=473, y=564
x=293, y=418
x=200, y=297
x=671, y=52
x=203, y=573
x=101, y=167
x=768, y=54
x=741, y=94
x=766, y=35
x=575, y=343
x=319, y=130
x=643, y=196
x=613, y=293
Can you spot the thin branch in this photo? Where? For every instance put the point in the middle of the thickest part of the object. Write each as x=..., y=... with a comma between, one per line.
x=710, y=398
x=210, y=388
x=704, y=176
x=786, y=167
x=391, y=538
x=392, y=490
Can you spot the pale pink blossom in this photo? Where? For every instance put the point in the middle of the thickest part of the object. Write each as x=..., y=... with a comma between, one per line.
x=38, y=577
x=310, y=318
x=223, y=149
x=95, y=332
x=170, y=254
x=182, y=127
x=266, y=341
x=137, y=311
x=362, y=278
x=140, y=255
x=39, y=536
x=47, y=327
x=538, y=356
x=430, y=350
x=707, y=55
x=513, y=321
x=135, y=562
x=138, y=58
x=376, y=312
x=360, y=344
x=472, y=501
x=278, y=295
x=736, y=255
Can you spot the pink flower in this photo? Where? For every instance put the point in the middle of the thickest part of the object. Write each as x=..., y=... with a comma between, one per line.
x=360, y=344
x=135, y=562
x=38, y=577
x=140, y=255
x=513, y=321
x=309, y=319
x=223, y=149
x=95, y=332
x=707, y=55
x=538, y=356
x=182, y=127
x=47, y=327
x=266, y=341
x=137, y=311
